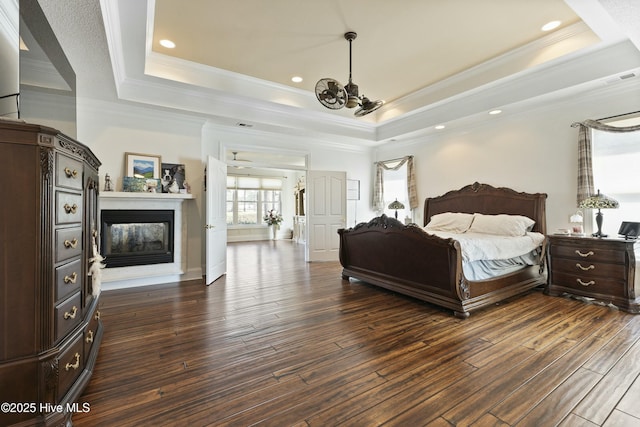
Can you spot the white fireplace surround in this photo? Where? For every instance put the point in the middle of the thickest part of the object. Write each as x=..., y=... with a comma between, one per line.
x=142, y=275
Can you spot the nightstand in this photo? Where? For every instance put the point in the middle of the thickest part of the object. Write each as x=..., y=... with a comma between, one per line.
x=602, y=269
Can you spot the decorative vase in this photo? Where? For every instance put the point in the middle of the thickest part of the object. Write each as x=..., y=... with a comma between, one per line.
x=274, y=230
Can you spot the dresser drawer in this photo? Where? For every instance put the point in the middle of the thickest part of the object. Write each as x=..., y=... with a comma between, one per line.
x=587, y=253
x=68, y=315
x=587, y=269
x=68, y=279
x=91, y=332
x=68, y=208
x=70, y=365
x=68, y=243
x=68, y=172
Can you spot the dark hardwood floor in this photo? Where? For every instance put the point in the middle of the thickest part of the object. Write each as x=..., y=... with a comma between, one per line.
x=281, y=342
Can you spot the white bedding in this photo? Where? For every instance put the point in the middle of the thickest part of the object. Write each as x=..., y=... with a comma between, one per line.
x=485, y=255
x=478, y=246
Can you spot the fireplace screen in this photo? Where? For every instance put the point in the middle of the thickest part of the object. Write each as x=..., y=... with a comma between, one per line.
x=137, y=237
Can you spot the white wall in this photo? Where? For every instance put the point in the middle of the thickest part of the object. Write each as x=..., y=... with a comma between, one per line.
x=534, y=151
x=112, y=129
x=328, y=155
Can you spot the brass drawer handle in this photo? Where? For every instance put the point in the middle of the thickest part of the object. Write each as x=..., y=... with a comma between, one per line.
x=75, y=365
x=589, y=283
x=89, y=338
x=70, y=209
x=97, y=315
x=70, y=173
x=72, y=315
x=71, y=243
x=71, y=279
x=591, y=267
x=584, y=255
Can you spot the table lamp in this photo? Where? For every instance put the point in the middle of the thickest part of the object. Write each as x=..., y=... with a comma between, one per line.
x=396, y=205
x=599, y=201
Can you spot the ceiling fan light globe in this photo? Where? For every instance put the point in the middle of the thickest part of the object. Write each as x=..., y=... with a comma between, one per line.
x=352, y=101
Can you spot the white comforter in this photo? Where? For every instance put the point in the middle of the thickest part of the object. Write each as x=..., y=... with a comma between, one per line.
x=477, y=246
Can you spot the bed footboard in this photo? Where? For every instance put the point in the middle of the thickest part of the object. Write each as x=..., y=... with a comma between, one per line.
x=405, y=259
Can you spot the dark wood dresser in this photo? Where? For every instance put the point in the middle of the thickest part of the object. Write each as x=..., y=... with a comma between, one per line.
x=599, y=268
x=50, y=327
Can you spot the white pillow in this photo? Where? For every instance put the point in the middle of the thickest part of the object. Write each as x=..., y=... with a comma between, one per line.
x=453, y=222
x=502, y=224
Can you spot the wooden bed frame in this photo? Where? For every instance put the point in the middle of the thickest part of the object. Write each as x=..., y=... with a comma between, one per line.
x=405, y=259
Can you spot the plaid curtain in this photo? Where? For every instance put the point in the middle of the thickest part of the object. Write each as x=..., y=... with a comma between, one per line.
x=378, y=184
x=585, y=163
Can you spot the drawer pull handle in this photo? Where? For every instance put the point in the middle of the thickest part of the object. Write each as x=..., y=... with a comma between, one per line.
x=591, y=267
x=75, y=365
x=89, y=338
x=70, y=173
x=72, y=315
x=70, y=209
x=97, y=315
x=71, y=243
x=589, y=283
x=71, y=279
x=584, y=255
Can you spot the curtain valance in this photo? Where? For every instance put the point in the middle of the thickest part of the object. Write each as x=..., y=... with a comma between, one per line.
x=585, y=161
x=378, y=185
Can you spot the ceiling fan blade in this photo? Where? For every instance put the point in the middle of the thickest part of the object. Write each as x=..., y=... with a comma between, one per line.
x=331, y=93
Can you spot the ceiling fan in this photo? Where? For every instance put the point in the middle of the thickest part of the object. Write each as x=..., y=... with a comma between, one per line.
x=237, y=162
x=333, y=95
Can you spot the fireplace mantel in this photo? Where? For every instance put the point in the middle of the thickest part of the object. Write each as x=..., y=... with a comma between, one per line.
x=145, y=196
x=124, y=277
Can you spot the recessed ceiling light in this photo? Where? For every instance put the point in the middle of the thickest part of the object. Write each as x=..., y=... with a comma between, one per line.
x=296, y=79
x=167, y=43
x=550, y=25
x=440, y=127
x=494, y=112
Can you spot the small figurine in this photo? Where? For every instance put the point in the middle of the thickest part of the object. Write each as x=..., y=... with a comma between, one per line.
x=108, y=185
x=187, y=187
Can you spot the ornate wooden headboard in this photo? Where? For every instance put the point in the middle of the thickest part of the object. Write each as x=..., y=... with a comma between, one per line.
x=485, y=199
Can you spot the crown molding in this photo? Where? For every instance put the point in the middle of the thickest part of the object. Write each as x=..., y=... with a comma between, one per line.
x=577, y=73
x=147, y=77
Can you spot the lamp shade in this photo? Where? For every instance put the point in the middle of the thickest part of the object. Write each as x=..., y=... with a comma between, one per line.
x=599, y=201
x=396, y=205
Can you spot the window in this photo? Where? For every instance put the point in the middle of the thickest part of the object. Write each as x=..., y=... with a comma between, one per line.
x=615, y=173
x=249, y=198
x=395, y=187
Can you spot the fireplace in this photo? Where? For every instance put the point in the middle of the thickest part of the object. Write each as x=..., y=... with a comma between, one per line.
x=137, y=237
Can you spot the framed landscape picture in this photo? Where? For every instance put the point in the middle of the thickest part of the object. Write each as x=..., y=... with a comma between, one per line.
x=142, y=165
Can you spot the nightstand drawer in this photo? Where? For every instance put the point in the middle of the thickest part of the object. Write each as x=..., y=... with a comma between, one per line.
x=585, y=285
x=588, y=269
x=587, y=253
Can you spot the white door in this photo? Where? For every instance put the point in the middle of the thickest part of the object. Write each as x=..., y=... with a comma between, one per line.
x=216, y=219
x=326, y=212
